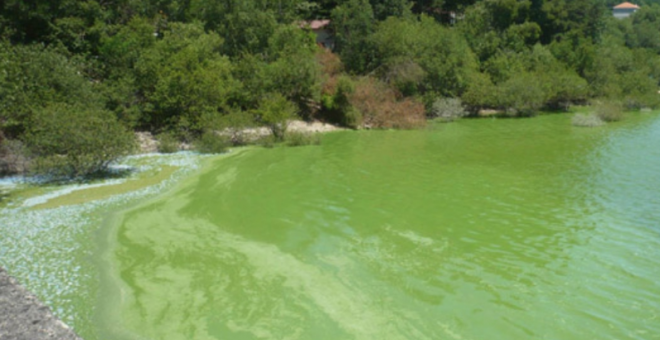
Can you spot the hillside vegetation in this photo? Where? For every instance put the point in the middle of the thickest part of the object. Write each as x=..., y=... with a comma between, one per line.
x=189, y=68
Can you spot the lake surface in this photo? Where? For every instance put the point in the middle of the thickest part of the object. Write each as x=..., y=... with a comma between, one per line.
x=479, y=229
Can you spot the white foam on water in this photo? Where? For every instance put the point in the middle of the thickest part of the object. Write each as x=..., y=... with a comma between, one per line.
x=48, y=249
x=10, y=182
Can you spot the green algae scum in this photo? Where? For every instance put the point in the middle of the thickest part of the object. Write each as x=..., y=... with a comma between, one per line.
x=480, y=229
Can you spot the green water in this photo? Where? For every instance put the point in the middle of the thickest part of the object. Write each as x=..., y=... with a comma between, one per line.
x=481, y=229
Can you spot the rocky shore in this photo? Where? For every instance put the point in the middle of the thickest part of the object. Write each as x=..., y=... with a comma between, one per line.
x=147, y=142
x=24, y=317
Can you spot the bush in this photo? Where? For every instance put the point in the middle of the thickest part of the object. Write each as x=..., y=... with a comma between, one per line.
x=609, y=111
x=587, y=120
x=75, y=141
x=233, y=126
x=266, y=141
x=352, y=118
x=12, y=156
x=640, y=101
x=302, y=138
x=167, y=143
x=481, y=93
x=32, y=77
x=448, y=109
x=336, y=103
x=564, y=88
x=405, y=75
x=274, y=112
x=212, y=142
x=380, y=108
x=522, y=95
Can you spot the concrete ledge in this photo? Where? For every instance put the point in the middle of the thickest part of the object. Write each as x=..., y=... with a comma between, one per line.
x=24, y=317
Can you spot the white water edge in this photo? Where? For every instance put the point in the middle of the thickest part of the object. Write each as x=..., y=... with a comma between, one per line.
x=47, y=249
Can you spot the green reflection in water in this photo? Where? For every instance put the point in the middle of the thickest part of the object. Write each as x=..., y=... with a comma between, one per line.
x=502, y=229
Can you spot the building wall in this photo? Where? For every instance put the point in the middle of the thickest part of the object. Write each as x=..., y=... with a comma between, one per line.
x=623, y=12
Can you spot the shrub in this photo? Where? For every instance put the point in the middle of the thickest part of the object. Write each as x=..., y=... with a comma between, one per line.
x=330, y=63
x=233, y=125
x=32, y=77
x=481, y=93
x=302, y=138
x=75, y=141
x=637, y=102
x=522, y=95
x=212, y=142
x=266, y=141
x=564, y=88
x=274, y=112
x=337, y=105
x=12, y=156
x=405, y=75
x=167, y=143
x=352, y=118
x=448, y=109
x=587, y=120
x=380, y=107
x=609, y=111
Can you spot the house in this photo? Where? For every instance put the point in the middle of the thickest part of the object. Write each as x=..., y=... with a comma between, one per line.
x=624, y=10
x=321, y=29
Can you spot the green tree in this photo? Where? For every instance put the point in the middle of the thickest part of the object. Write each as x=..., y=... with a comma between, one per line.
x=522, y=95
x=353, y=23
x=33, y=76
x=576, y=17
x=74, y=140
x=424, y=54
x=274, y=112
x=292, y=69
x=184, y=77
x=387, y=8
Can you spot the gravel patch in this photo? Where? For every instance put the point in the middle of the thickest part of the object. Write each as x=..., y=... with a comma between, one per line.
x=24, y=317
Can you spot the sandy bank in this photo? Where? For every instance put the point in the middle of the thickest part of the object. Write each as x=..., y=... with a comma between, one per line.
x=149, y=144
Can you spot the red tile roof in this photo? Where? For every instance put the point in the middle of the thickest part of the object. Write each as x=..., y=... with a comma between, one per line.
x=626, y=5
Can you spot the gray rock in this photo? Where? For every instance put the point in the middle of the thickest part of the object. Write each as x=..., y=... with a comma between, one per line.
x=24, y=317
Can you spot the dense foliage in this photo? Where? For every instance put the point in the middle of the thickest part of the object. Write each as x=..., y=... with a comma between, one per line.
x=188, y=69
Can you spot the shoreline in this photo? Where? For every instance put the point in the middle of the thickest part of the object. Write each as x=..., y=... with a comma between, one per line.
x=24, y=316
x=147, y=142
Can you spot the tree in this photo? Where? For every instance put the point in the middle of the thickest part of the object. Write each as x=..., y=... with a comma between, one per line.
x=274, y=112
x=67, y=140
x=292, y=69
x=33, y=76
x=183, y=78
x=581, y=17
x=423, y=56
x=387, y=8
x=353, y=23
x=522, y=95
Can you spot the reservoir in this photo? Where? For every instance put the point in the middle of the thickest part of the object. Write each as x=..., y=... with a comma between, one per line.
x=478, y=229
